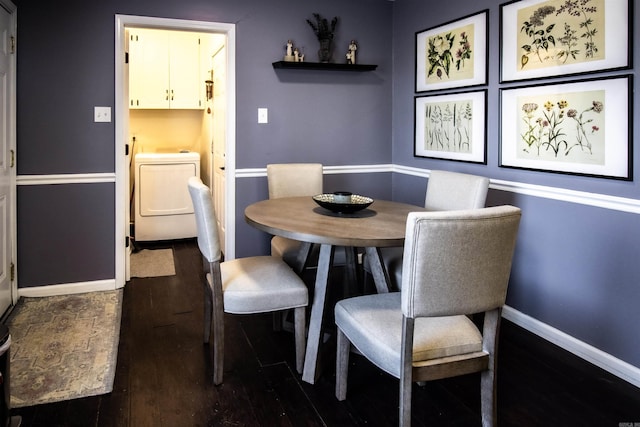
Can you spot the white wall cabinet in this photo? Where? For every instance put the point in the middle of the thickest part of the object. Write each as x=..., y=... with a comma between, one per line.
x=164, y=70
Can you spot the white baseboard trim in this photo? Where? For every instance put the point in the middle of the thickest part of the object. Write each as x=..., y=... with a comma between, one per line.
x=581, y=349
x=68, y=288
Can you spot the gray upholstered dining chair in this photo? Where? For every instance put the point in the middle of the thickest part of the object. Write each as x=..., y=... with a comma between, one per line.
x=456, y=263
x=292, y=180
x=258, y=284
x=445, y=191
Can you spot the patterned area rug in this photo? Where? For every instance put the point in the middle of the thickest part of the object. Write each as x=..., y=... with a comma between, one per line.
x=64, y=347
x=152, y=263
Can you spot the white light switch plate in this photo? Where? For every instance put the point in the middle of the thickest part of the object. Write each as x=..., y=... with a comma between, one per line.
x=101, y=114
x=263, y=115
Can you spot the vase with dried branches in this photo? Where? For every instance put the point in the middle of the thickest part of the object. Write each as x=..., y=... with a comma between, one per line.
x=324, y=32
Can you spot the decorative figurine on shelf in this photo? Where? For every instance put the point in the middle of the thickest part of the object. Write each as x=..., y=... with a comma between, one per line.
x=289, y=56
x=324, y=33
x=351, y=55
x=296, y=55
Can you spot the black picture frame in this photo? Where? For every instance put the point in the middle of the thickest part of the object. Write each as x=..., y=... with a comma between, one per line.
x=582, y=127
x=451, y=126
x=546, y=38
x=452, y=55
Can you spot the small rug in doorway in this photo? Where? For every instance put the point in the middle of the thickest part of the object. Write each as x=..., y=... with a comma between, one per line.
x=64, y=347
x=152, y=263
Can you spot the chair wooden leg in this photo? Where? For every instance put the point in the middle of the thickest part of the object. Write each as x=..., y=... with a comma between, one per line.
x=218, y=346
x=300, y=320
x=218, y=323
x=342, y=365
x=208, y=308
x=488, y=398
x=406, y=376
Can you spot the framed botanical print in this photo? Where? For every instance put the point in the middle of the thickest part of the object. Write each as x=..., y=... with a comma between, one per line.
x=580, y=127
x=545, y=38
x=452, y=55
x=451, y=126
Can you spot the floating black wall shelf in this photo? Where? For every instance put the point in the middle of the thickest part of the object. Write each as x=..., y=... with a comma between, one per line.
x=322, y=66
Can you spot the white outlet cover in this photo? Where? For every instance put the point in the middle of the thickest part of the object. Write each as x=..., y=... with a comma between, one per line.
x=101, y=114
x=263, y=115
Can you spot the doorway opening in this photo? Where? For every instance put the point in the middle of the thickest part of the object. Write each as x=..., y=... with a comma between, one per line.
x=215, y=140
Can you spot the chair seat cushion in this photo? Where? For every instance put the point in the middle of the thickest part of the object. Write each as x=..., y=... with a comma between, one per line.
x=260, y=284
x=373, y=324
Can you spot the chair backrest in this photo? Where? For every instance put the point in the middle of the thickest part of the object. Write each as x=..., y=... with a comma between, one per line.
x=207, y=228
x=458, y=262
x=448, y=191
x=294, y=179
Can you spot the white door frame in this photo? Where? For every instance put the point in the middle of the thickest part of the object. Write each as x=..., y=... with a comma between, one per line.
x=10, y=236
x=122, y=129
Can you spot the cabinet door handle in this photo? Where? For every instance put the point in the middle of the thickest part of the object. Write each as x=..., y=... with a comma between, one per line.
x=172, y=94
x=166, y=95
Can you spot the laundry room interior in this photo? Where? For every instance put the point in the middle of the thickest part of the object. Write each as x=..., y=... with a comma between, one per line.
x=176, y=124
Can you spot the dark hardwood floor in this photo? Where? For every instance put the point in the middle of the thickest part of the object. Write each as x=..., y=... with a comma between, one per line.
x=164, y=376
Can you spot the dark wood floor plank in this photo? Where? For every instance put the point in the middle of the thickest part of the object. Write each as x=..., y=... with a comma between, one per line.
x=563, y=386
x=246, y=368
x=144, y=370
x=296, y=405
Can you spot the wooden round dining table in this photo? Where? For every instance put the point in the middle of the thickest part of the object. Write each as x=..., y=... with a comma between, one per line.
x=382, y=224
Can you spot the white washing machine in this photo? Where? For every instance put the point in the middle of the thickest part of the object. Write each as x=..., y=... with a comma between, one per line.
x=163, y=208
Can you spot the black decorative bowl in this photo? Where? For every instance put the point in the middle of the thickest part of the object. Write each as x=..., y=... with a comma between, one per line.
x=357, y=203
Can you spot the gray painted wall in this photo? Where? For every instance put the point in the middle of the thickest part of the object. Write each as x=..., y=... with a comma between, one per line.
x=59, y=241
x=576, y=267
